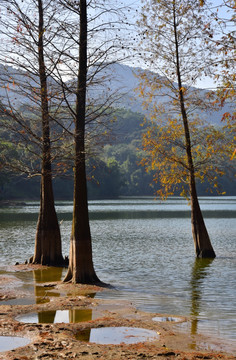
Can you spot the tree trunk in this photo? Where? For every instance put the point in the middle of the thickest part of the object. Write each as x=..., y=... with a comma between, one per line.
x=81, y=268
x=48, y=238
x=202, y=243
x=203, y=247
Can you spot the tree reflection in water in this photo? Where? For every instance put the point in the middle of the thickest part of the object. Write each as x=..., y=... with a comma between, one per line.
x=43, y=294
x=199, y=273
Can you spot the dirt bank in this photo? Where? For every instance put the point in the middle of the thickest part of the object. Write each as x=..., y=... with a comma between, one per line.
x=70, y=340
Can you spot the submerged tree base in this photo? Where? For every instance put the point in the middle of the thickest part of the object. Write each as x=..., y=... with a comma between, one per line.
x=63, y=262
x=86, y=280
x=204, y=254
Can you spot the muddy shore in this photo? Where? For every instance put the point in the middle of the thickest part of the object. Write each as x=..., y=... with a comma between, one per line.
x=71, y=340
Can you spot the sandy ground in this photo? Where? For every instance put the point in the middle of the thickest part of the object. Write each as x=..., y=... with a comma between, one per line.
x=58, y=340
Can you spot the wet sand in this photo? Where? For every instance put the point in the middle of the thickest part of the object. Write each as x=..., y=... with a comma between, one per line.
x=70, y=340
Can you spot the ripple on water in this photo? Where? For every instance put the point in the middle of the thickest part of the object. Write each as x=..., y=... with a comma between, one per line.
x=145, y=249
x=166, y=318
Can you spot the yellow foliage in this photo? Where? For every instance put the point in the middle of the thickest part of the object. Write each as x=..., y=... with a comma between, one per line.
x=164, y=145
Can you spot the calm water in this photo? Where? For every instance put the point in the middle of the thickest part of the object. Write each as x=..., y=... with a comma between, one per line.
x=145, y=249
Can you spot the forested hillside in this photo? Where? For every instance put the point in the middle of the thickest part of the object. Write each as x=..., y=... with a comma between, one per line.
x=114, y=171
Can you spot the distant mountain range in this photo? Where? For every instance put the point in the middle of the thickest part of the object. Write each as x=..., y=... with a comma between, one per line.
x=117, y=78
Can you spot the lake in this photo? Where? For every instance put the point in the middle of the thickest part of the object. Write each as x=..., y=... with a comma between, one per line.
x=144, y=248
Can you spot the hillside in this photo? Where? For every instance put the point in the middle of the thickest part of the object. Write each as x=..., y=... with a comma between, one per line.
x=115, y=171
x=124, y=79
x=116, y=78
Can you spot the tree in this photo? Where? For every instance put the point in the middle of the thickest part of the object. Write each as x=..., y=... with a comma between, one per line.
x=95, y=53
x=24, y=28
x=81, y=269
x=48, y=238
x=180, y=146
x=225, y=69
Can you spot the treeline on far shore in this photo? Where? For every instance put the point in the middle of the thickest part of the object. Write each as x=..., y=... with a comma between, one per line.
x=120, y=176
x=113, y=172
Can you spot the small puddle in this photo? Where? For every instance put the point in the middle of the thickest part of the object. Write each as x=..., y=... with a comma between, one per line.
x=8, y=343
x=117, y=335
x=58, y=316
x=166, y=318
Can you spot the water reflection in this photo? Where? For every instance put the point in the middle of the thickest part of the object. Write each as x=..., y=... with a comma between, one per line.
x=59, y=316
x=42, y=293
x=83, y=335
x=166, y=319
x=133, y=248
x=199, y=272
x=12, y=342
x=116, y=335
x=76, y=316
x=49, y=274
x=81, y=292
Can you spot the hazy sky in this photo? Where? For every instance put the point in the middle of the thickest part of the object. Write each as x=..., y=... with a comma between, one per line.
x=133, y=14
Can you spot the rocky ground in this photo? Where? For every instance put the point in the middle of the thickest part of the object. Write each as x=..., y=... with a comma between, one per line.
x=70, y=340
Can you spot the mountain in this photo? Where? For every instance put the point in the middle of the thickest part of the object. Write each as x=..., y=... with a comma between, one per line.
x=114, y=79
x=125, y=79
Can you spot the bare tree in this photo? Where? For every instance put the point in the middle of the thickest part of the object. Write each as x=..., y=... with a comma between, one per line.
x=26, y=108
x=80, y=44
x=95, y=54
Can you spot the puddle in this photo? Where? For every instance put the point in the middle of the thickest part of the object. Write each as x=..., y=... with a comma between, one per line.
x=8, y=343
x=166, y=318
x=117, y=335
x=43, y=294
x=59, y=316
x=35, y=286
x=49, y=274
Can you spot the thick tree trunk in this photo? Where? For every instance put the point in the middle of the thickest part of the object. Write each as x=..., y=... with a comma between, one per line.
x=48, y=238
x=81, y=269
x=201, y=238
x=202, y=243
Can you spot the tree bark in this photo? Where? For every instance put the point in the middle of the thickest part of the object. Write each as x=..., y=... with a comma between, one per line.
x=202, y=243
x=48, y=238
x=81, y=269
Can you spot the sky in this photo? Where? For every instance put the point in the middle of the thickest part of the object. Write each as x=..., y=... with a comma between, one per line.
x=205, y=82
x=131, y=9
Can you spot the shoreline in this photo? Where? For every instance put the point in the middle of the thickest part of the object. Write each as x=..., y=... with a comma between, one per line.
x=57, y=340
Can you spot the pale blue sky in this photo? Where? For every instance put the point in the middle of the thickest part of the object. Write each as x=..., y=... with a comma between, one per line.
x=135, y=6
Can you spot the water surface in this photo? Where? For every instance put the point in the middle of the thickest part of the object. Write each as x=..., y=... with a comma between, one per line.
x=12, y=342
x=144, y=248
x=117, y=335
x=58, y=316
